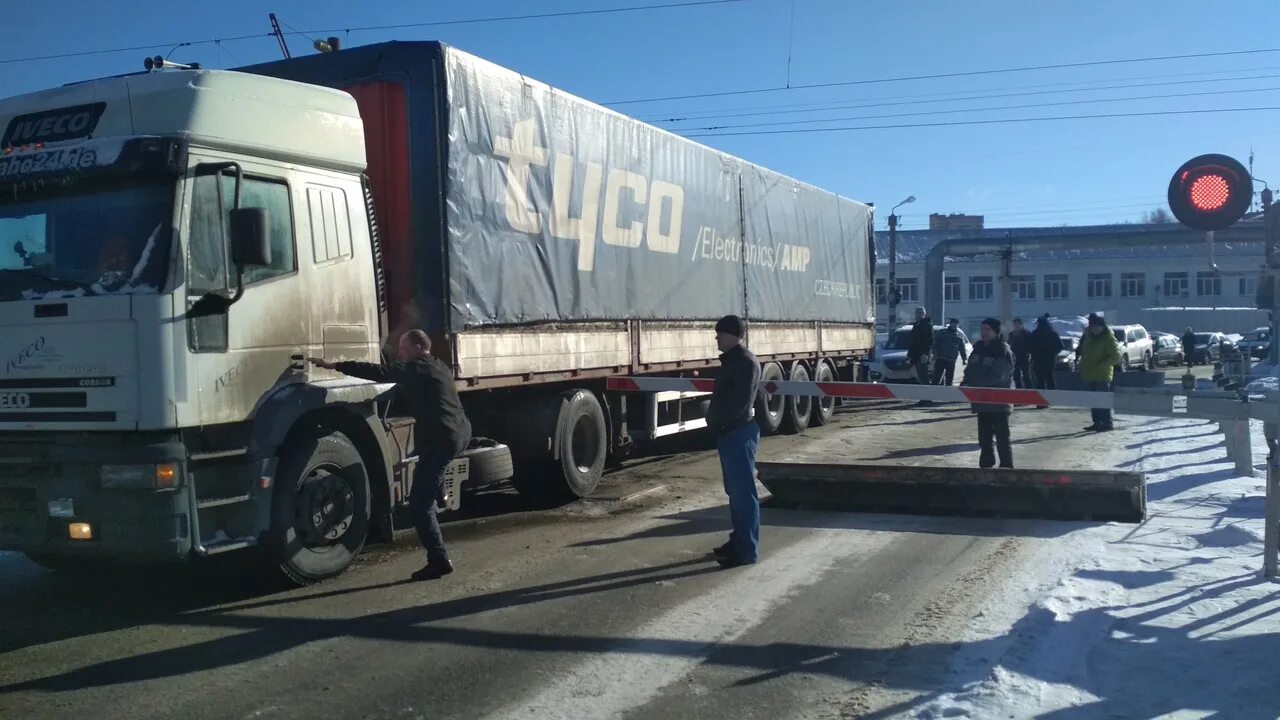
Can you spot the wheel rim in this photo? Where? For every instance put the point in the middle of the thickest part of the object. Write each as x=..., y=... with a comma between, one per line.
x=826, y=405
x=585, y=443
x=325, y=508
x=803, y=402
x=774, y=403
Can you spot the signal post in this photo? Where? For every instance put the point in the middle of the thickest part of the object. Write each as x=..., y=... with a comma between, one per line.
x=1210, y=193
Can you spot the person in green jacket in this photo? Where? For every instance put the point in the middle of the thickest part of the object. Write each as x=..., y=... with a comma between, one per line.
x=1099, y=354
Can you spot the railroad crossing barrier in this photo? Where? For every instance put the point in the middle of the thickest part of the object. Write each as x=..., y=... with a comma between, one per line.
x=1053, y=494
x=1095, y=495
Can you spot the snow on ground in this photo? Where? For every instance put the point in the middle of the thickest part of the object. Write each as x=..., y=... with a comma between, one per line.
x=1166, y=619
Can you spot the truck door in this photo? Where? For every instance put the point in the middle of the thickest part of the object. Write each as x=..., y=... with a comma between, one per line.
x=242, y=355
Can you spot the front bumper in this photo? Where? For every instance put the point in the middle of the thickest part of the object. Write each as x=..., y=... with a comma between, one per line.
x=130, y=524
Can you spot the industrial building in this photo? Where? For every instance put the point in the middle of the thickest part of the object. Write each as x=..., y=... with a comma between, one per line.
x=1123, y=271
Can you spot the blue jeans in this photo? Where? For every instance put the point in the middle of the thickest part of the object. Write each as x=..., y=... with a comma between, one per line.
x=737, y=450
x=1101, y=416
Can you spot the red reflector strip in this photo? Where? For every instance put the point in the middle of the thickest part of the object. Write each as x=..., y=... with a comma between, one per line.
x=849, y=390
x=1005, y=397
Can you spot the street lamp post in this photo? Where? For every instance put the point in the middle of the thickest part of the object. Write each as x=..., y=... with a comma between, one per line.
x=893, y=263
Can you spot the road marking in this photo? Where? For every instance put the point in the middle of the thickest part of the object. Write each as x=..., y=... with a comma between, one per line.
x=635, y=672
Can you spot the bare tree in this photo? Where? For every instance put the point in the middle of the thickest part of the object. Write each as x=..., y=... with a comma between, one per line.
x=1159, y=216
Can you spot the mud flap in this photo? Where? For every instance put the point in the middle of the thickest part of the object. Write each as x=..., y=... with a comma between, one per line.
x=1093, y=495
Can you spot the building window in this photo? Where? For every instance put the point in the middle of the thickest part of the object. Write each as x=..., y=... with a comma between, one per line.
x=951, y=289
x=1024, y=287
x=980, y=287
x=1208, y=284
x=1133, y=284
x=1176, y=284
x=1056, y=287
x=909, y=289
x=882, y=291
x=1248, y=287
x=1099, y=285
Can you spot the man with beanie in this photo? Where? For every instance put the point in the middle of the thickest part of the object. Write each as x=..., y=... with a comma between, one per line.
x=1046, y=343
x=947, y=346
x=1099, y=355
x=732, y=418
x=991, y=366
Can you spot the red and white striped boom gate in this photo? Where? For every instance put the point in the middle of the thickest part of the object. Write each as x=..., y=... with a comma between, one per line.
x=877, y=391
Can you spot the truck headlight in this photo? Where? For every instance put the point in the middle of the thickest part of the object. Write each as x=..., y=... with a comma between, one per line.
x=138, y=477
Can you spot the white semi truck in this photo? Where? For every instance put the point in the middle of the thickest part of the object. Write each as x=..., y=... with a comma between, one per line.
x=174, y=243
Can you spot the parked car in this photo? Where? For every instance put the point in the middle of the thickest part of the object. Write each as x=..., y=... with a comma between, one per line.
x=1136, y=349
x=1257, y=342
x=1208, y=348
x=1168, y=350
x=889, y=363
x=1068, y=359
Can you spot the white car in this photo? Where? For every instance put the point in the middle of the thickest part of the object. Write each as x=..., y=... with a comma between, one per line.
x=889, y=364
x=1137, y=351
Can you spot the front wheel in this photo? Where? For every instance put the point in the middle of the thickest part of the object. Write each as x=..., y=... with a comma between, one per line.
x=319, y=507
x=1148, y=362
x=1124, y=363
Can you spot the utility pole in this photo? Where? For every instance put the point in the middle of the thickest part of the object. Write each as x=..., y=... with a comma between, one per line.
x=893, y=264
x=1006, y=283
x=279, y=35
x=1271, y=518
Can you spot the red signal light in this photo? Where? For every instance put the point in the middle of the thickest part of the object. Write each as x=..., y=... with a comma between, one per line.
x=1210, y=192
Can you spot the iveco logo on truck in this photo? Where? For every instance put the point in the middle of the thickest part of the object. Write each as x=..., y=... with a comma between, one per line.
x=14, y=400
x=48, y=126
x=15, y=362
x=521, y=152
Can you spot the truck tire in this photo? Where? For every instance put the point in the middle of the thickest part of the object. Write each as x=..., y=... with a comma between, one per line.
x=770, y=408
x=581, y=445
x=797, y=408
x=490, y=462
x=824, y=409
x=319, y=507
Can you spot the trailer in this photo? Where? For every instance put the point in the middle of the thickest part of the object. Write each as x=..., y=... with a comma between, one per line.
x=174, y=244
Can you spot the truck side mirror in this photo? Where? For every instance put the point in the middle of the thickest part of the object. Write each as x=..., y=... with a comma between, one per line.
x=250, y=237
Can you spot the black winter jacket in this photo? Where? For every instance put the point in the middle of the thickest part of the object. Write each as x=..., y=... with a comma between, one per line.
x=921, y=341
x=1046, y=343
x=990, y=366
x=427, y=386
x=737, y=387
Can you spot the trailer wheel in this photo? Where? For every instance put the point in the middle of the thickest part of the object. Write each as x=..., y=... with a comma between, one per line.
x=319, y=507
x=823, y=408
x=771, y=408
x=798, y=408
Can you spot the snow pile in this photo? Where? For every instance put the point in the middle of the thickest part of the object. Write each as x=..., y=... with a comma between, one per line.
x=1169, y=618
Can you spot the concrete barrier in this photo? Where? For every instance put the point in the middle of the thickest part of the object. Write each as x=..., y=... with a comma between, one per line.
x=1052, y=494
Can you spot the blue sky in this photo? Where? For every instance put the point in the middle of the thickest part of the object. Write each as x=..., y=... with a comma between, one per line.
x=1039, y=173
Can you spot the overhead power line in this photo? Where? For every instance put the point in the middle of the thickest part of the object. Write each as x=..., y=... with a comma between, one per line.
x=1001, y=121
x=399, y=26
x=896, y=103
x=1060, y=103
x=942, y=76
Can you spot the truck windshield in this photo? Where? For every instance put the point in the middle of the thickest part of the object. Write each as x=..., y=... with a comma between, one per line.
x=91, y=242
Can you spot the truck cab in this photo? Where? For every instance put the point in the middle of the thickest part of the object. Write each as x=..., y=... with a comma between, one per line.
x=173, y=245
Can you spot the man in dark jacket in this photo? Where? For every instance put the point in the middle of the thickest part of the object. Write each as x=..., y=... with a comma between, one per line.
x=441, y=432
x=920, y=348
x=947, y=346
x=732, y=418
x=1020, y=344
x=1189, y=347
x=991, y=366
x=1045, y=346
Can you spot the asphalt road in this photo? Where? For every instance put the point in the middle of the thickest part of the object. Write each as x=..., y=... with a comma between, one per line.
x=608, y=607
